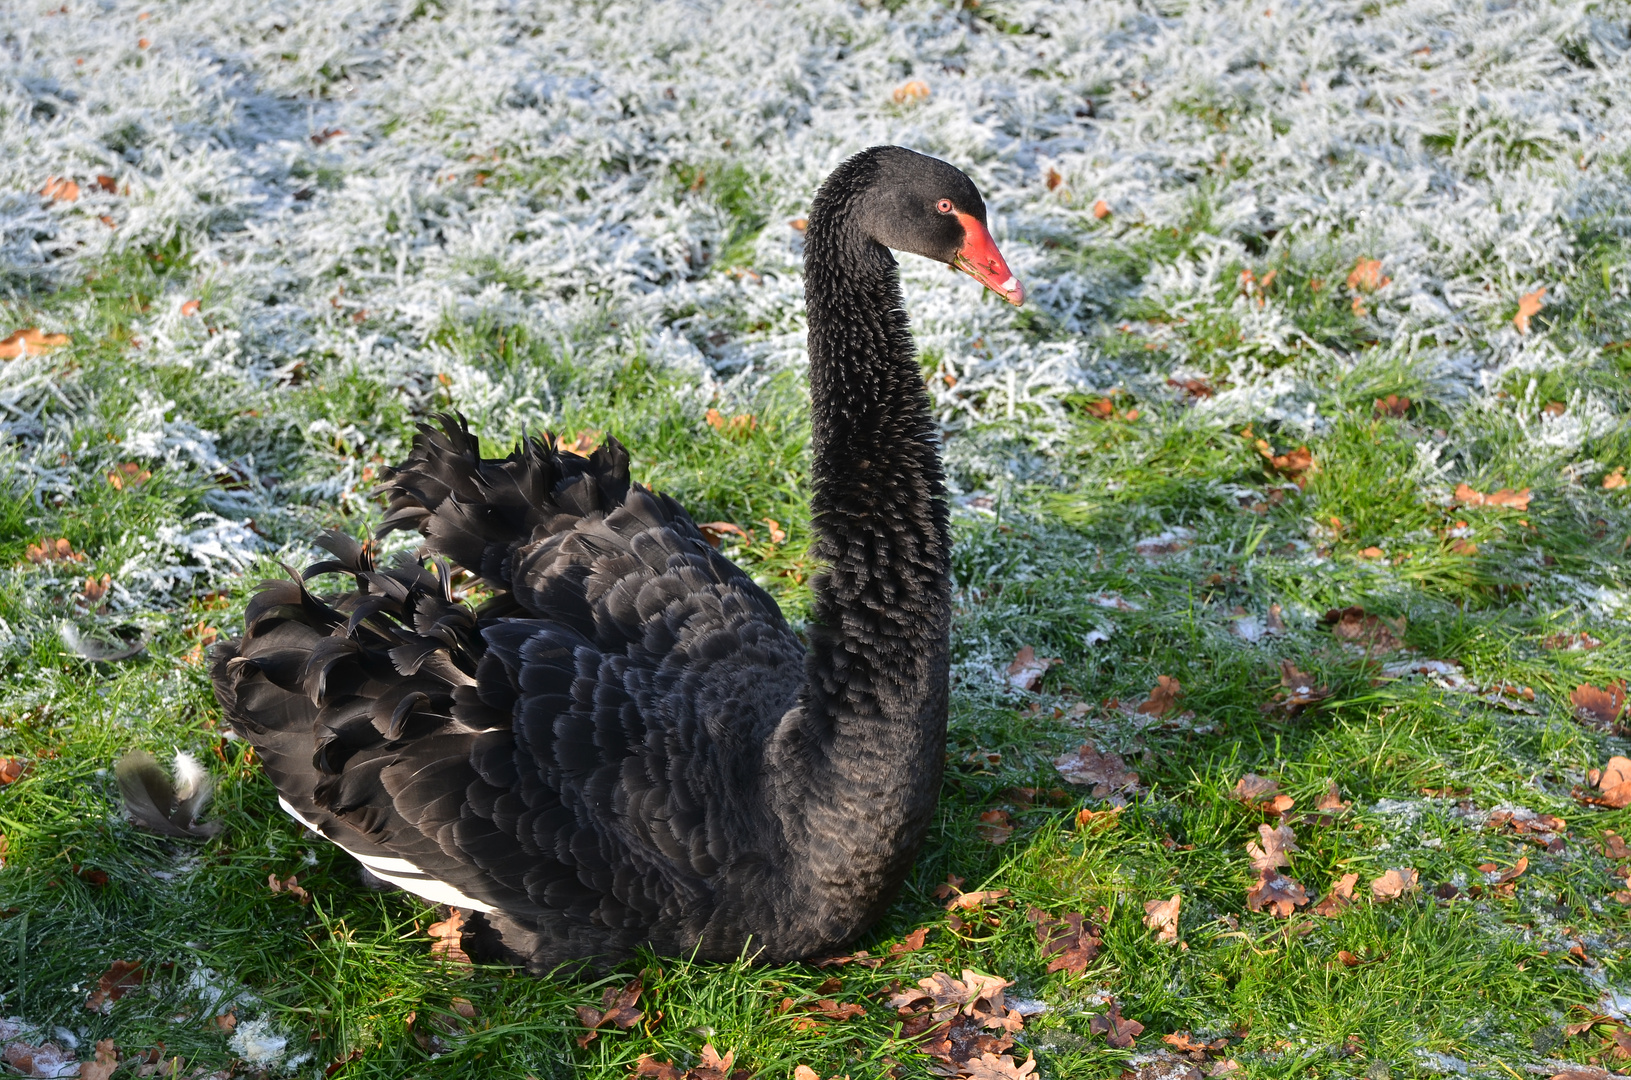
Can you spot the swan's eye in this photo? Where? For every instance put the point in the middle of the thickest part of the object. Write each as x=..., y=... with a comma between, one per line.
x=944, y=206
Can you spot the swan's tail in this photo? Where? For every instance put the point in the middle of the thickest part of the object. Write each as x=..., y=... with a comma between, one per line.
x=478, y=511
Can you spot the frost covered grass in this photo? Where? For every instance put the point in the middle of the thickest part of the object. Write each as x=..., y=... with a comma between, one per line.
x=1243, y=226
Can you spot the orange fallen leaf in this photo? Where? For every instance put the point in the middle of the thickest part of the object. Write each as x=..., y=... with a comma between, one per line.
x=715, y=531
x=31, y=341
x=107, y=183
x=913, y=91
x=974, y=901
x=1372, y=553
x=1366, y=276
x=1339, y=899
x=449, y=936
x=1354, y=624
x=60, y=189
x=1614, y=480
x=189, y=309
x=1101, y=209
x=989, y=1066
x=290, y=885
x=740, y=424
x=1052, y=179
x=1262, y=793
x=49, y=550
x=1394, y=883
x=1163, y=697
x=1613, y=787
x=1513, y=500
x=1276, y=893
x=1600, y=706
x=103, y=1065
x=1071, y=942
x=1273, y=849
x=129, y=474
x=1332, y=801
x=799, y=224
x=1529, y=305
x=11, y=770
x=1162, y=917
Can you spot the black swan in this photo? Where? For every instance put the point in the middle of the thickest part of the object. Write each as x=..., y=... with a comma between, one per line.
x=626, y=744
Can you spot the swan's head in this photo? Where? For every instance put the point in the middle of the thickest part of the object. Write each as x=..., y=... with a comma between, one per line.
x=923, y=205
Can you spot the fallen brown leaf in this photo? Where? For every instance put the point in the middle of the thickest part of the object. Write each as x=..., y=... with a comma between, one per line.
x=49, y=550
x=914, y=941
x=1394, y=884
x=1339, y=899
x=582, y=444
x=1600, y=706
x=290, y=885
x=102, y=1066
x=740, y=424
x=1355, y=625
x=1262, y=793
x=974, y=901
x=1277, y=893
x=1332, y=801
x=1274, y=851
x=1101, y=209
x=1026, y=670
x=1197, y=1050
x=617, y=1009
x=1529, y=305
x=1105, y=774
x=1298, y=690
x=992, y=1067
x=1116, y=1029
x=1506, y=497
x=1070, y=942
x=995, y=827
x=911, y=92
x=715, y=531
x=1615, y=480
x=60, y=189
x=1163, y=697
x=1098, y=820
x=31, y=341
x=1393, y=405
x=129, y=474
x=121, y=978
x=1162, y=917
x=11, y=770
x=1513, y=872
x=1612, y=784
x=449, y=936
x=1366, y=276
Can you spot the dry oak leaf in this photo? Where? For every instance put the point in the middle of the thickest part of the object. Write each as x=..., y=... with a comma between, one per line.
x=1262, y=793
x=1025, y=671
x=1162, y=917
x=1584, y=1072
x=60, y=189
x=1185, y=1043
x=1614, y=480
x=710, y=1066
x=1332, y=801
x=974, y=901
x=47, y=1059
x=1600, y=706
x=1071, y=941
x=1116, y=1029
x=11, y=770
x=106, y=1060
x=31, y=341
x=1353, y=624
x=1366, y=276
x=1292, y=464
x=1613, y=784
x=1529, y=305
x=49, y=550
x=995, y=827
x=1394, y=884
x=449, y=935
x=1275, y=849
x=1339, y=899
x=993, y=1067
x=1104, y=773
x=1512, y=500
x=1393, y=405
x=290, y=885
x=1098, y=820
x=715, y=532
x=914, y=941
x=1298, y=692
x=1276, y=892
x=1163, y=697
x=913, y=91
x=121, y=978
x=617, y=1009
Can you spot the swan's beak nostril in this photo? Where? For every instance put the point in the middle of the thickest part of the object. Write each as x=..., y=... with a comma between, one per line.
x=980, y=260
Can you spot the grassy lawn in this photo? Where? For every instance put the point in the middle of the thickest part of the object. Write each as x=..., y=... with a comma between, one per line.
x=1305, y=467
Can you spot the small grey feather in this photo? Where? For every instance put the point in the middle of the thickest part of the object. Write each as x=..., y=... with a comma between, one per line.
x=156, y=803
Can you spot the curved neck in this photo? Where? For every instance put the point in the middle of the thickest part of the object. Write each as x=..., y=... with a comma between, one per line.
x=855, y=769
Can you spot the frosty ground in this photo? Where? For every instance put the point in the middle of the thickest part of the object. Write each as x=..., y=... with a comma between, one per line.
x=1311, y=283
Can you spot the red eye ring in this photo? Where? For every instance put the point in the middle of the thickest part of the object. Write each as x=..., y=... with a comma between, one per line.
x=944, y=206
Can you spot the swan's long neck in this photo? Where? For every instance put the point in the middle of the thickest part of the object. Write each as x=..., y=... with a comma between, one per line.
x=858, y=765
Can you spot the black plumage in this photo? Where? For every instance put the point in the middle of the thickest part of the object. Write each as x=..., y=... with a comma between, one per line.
x=627, y=744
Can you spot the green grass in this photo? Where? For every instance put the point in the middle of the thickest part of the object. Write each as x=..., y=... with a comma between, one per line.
x=1488, y=980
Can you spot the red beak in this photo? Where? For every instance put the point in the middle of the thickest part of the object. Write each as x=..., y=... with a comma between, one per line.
x=980, y=260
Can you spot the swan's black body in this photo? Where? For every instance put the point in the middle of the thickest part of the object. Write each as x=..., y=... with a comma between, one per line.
x=627, y=744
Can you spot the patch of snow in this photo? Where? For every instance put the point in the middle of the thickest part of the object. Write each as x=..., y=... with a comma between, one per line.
x=259, y=1042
